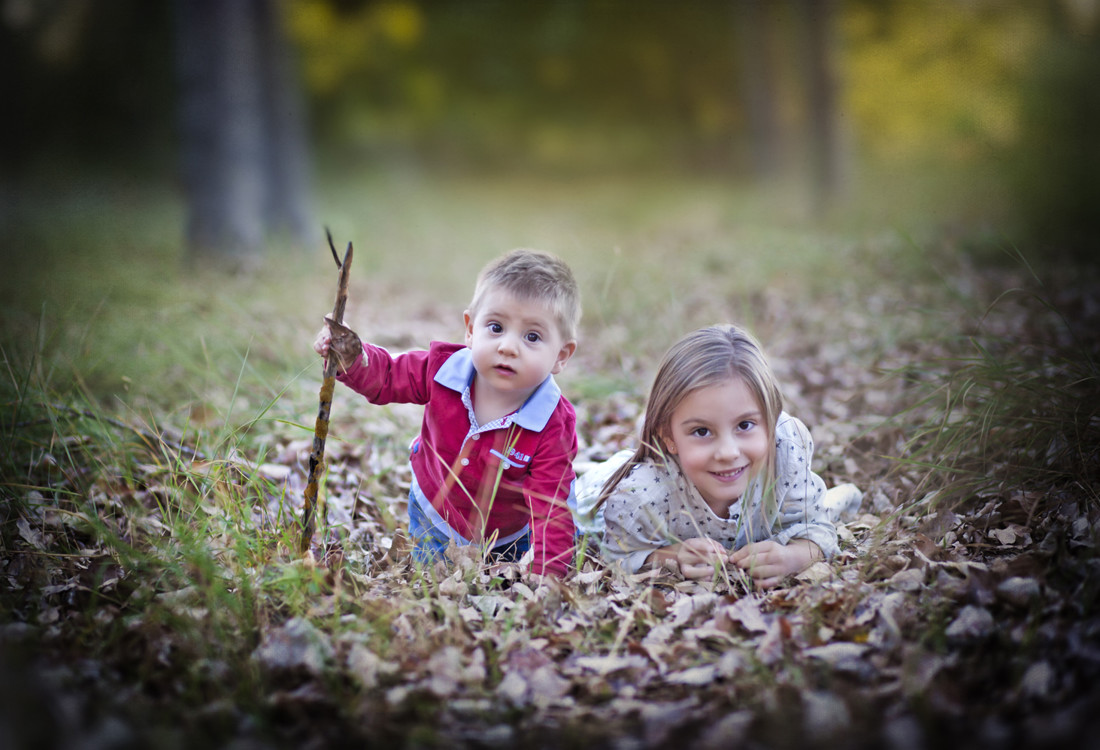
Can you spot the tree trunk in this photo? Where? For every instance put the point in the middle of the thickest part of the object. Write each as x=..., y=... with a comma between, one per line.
x=816, y=22
x=286, y=161
x=243, y=147
x=755, y=29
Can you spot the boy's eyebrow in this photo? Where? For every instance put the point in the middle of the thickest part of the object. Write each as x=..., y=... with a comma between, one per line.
x=546, y=321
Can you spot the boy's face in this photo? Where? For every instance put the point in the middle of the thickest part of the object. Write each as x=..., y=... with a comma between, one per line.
x=516, y=343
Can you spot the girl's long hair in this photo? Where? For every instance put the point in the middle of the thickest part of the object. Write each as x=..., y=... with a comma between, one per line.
x=703, y=358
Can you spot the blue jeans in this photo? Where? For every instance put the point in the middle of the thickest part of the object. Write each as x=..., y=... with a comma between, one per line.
x=431, y=541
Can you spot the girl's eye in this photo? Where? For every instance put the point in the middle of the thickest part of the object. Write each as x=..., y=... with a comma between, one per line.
x=746, y=425
x=533, y=337
x=701, y=431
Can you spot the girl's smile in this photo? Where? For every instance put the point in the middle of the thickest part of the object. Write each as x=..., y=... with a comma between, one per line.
x=732, y=476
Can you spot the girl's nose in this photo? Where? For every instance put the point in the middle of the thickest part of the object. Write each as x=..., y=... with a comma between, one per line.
x=727, y=447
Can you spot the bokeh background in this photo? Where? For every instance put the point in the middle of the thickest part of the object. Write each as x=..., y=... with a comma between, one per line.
x=981, y=110
x=169, y=169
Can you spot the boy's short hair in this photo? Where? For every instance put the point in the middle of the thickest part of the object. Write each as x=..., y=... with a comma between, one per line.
x=533, y=274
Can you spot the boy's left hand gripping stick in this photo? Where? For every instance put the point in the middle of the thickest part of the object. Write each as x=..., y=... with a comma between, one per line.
x=320, y=430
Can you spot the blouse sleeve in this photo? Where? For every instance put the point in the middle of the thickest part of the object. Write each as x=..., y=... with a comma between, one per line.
x=800, y=492
x=636, y=517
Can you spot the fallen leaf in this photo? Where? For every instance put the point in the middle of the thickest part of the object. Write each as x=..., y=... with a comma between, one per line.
x=703, y=675
x=1019, y=592
x=824, y=714
x=1039, y=680
x=836, y=653
x=772, y=645
x=296, y=646
x=972, y=623
x=29, y=535
x=605, y=665
x=746, y=612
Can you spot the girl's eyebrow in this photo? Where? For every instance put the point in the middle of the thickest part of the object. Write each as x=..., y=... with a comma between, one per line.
x=694, y=420
x=754, y=415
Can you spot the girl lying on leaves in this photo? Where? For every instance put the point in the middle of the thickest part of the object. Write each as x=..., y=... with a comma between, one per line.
x=722, y=476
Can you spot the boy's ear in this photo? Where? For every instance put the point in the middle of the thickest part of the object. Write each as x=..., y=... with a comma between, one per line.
x=468, y=322
x=567, y=351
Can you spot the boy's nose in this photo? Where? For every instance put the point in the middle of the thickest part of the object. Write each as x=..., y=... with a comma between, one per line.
x=506, y=345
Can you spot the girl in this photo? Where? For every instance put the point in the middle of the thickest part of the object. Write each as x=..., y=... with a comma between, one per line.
x=722, y=475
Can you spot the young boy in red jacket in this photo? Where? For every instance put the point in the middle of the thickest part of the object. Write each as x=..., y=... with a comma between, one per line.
x=493, y=463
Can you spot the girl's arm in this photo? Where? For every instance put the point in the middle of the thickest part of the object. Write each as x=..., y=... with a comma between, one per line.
x=801, y=513
x=635, y=518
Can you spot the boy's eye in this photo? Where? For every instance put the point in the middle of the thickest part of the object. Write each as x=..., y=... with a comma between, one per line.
x=496, y=328
x=533, y=337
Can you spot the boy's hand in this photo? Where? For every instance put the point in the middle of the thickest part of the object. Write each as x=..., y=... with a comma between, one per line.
x=339, y=340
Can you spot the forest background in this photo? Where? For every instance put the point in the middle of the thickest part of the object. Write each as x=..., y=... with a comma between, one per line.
x=899, y=198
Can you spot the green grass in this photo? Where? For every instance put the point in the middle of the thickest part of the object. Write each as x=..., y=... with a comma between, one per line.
x=1011, y=411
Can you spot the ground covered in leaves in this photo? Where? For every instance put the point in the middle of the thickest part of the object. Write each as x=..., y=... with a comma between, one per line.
x=152, y=594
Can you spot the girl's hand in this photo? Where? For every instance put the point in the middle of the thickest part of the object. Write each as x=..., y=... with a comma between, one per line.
x=695, y=558
x=339, y=340
x=768, y=563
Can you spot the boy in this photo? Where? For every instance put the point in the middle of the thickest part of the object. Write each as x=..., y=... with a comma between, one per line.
x=493, y=462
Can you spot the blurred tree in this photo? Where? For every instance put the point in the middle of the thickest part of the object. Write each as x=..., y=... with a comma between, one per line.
x=86, y=85
x=755, y=25
x=242, y=140
x=1057, y=176
x=816, y=24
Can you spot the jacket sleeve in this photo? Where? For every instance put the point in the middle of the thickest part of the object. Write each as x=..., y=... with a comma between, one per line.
x=384, y=379
x=800, y=492
x=546, y=491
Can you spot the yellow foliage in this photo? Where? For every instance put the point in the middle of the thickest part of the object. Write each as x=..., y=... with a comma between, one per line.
x=936, y=77
x=401, y=22
x=338, y=46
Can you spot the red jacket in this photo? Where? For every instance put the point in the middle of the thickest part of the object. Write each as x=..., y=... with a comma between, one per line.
x=457, y=465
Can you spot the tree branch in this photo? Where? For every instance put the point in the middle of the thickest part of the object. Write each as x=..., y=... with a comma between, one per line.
x=320, y=429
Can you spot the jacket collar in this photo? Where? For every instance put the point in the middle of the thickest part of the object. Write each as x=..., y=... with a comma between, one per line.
x=457, y=373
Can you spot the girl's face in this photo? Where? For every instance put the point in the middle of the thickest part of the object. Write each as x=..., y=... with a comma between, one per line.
x=719, y=436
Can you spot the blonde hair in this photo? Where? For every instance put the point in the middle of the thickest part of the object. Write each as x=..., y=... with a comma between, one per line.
x=534, y=275
x=704, y=358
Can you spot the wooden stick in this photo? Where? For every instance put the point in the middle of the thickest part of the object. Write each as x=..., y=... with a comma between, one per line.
x=320, y=429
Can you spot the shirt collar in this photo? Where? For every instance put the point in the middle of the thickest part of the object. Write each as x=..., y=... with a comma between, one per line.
x=457, y=373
